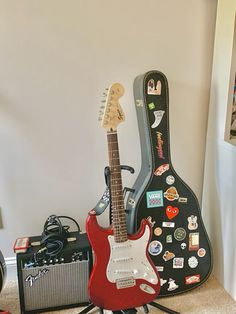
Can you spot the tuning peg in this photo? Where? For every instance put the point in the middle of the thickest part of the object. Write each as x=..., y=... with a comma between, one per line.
x=104, y=94
x=103, y=100
x=102, y=107
x=106, y=88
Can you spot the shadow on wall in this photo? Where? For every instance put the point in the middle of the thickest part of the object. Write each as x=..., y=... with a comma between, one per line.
x=211, y=195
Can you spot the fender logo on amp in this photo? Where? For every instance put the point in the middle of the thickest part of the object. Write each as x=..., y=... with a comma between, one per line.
x=31, y=279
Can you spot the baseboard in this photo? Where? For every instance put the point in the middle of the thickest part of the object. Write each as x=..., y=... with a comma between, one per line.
x=11, y=268
x=10, y=261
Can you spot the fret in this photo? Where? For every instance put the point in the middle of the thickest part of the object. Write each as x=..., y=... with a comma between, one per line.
x=116, y=189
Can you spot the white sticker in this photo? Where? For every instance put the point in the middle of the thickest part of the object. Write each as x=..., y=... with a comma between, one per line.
x=168, y=224
x=170, y=180
x=178, y=262
x=192, y=262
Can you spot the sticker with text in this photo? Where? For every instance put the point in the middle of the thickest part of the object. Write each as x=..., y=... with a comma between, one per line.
x=168, y=224
x=160, y=268
x=171, y=194
x=154, y=199
x=182, y=200
x=192, y=279
x=160, y=145
x=161, y=169
x=158, y=115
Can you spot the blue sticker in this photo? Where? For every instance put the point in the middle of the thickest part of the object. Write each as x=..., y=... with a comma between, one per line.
x=154, y=199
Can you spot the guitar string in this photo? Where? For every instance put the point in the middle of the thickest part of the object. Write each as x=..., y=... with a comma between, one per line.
x=118, y=218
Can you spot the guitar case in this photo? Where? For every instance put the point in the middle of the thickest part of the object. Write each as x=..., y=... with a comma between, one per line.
x=180, y=247
x=2, y=271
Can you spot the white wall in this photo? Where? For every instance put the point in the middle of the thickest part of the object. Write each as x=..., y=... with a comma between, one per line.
x=56, y=58
x=219, y=194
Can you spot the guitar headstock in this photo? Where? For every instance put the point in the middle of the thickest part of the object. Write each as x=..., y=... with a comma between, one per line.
x=112, y=114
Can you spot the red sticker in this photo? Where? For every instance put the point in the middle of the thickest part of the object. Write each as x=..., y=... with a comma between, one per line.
x=192, y=279
x=161, y=169
x=171, y=212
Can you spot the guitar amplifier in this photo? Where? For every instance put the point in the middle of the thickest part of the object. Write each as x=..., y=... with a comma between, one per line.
x=55, y=283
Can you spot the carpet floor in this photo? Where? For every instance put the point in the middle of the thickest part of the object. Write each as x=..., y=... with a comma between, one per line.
x=210, y=298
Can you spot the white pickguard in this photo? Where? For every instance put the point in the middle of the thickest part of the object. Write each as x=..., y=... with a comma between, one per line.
x=128, y=261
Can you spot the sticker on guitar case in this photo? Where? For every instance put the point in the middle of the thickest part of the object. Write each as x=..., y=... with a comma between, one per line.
x=170, y=180
x=155, y=248
x=154, y=199
x=153, y=89
x=201, y=252
x=157, y=231
x=163, y=281
x=168, y=224
x=161, y=169
x=159, y=145
x=180, y=234
x=178, y=262
x=194, y=241
x=160, y=268
x=171, y=212
x=172, y=285
x=192, y=279
x=151, y=106
x=168, y=256
x=169, y=238
x=192, y=262
x=171, y=194
x=158, y=115
x=183, y=200
x=192, y=222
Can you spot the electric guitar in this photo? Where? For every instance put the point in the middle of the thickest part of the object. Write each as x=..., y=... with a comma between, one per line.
x=180, y=247
x=123, y=275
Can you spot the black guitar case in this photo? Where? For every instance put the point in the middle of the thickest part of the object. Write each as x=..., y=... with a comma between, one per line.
x=180, y=247
x=2, y=271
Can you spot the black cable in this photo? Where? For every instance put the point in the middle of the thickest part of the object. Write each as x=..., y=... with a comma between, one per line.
x=53, y=238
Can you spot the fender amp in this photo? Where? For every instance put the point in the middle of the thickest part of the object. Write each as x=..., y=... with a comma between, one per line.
x=54, y=283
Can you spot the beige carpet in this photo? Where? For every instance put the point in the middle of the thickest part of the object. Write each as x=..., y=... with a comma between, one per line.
x=210, y=298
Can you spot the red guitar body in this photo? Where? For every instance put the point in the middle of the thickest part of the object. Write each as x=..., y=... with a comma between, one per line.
x=123, y=276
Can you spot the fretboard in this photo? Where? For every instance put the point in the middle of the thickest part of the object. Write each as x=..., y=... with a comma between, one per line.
x=117, y=200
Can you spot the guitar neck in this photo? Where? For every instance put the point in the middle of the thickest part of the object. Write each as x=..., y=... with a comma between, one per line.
x=116, y=189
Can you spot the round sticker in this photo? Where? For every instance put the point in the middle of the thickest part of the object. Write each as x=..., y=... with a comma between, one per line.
x=180, y=234
x=201, y=252
x=192, y=262
x=170, y=180
x=155, y=248
x=158, y=231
